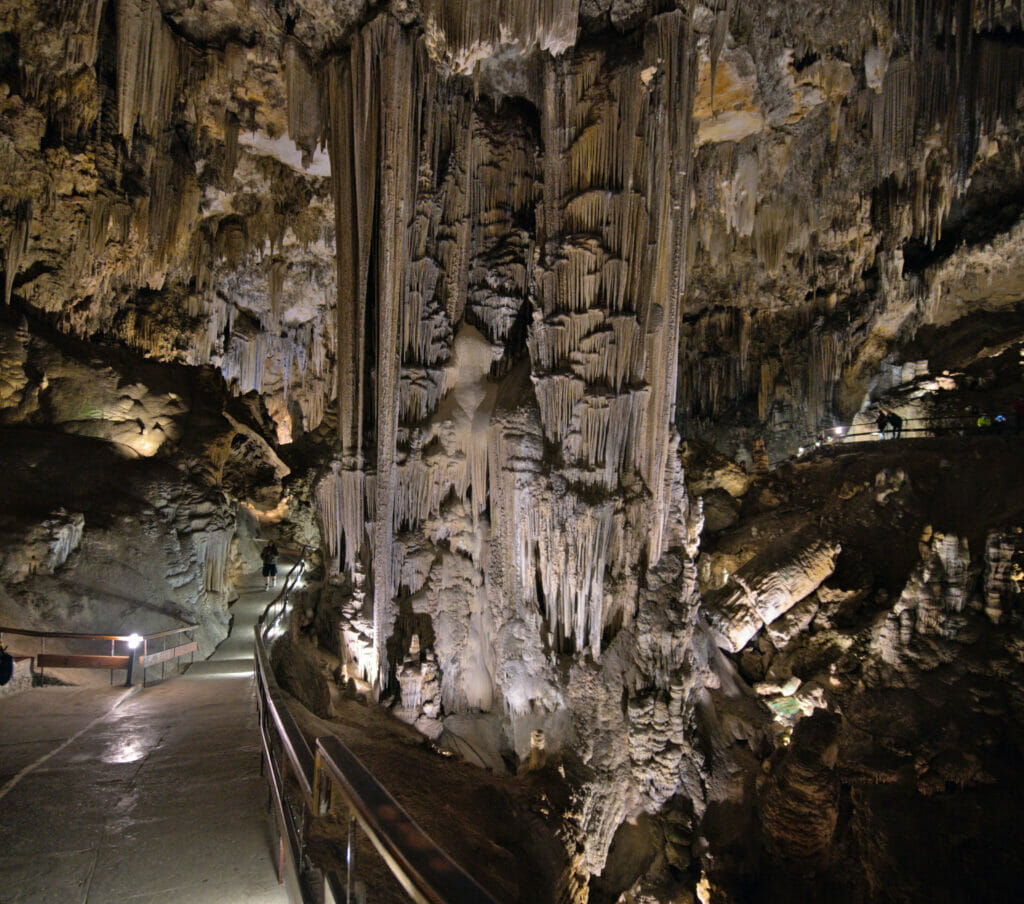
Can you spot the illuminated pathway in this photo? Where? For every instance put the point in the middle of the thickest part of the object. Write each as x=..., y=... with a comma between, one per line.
x=150, y=797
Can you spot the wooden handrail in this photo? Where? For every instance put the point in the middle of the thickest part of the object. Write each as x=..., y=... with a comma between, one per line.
x=25, y=632
x=169, y=632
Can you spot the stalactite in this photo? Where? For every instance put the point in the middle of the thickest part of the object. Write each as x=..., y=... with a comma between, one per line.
x=894, y=116
x=722, y=20
x=231, y=126
x=551, y=342
x=766, y=388
x=465, y=32
x=83, y=40
x=563, y=548
x=824, y=366
x=608, y=432
x=302, y=88
x=17, y=245
x=353, y=136
x=173, y=205
x=557, y=396
x=419, y=392
x=275, y=285
x=341, y=503
x=372, y=141
x=715, y=372
x=212, y=547
x=99, y=224
x=954, y=85
x=148, y=65
x=773, y=232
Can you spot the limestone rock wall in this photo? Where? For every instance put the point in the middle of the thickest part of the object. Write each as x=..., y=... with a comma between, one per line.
x=123, y=514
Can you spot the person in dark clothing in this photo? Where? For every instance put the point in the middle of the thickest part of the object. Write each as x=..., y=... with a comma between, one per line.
x=1018, y=410
x=882, y=422
x=269, y=557
x=896, y=423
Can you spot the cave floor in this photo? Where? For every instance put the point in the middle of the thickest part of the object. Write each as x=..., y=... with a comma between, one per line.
x=143, y=795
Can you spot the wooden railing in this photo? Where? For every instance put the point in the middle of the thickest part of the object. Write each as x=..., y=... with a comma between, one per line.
x=334, y=786
x=110, y=658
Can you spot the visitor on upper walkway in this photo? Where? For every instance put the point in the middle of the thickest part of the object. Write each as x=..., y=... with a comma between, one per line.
x=896, y=423
x=882, y=421
x=999, y=423
x=269, y=557
x=1018, y=410
x=984, y=423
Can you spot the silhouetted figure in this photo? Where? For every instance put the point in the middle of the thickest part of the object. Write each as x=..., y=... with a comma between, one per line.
x=882, y=421
x=6, y=666
x=896, y=423
x=1018, y=410
x=999, y=423
x=269, y=557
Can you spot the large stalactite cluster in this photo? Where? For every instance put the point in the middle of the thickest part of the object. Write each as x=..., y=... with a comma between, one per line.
x=483, y=266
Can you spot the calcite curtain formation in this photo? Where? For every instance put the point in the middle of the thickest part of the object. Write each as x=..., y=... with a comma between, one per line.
x=414, y=184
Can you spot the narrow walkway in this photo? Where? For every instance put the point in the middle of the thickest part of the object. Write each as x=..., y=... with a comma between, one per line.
x=109, y=795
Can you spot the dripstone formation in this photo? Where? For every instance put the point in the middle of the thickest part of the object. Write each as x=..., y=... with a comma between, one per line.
x=542, y=322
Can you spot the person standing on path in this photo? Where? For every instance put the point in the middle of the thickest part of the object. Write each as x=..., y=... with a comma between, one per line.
x=269, y=557
x=1018, y=410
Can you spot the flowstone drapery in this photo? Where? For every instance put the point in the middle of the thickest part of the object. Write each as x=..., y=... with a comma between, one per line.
x=591, y=306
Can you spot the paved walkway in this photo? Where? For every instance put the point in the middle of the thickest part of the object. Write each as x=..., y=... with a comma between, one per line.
x=109, y=795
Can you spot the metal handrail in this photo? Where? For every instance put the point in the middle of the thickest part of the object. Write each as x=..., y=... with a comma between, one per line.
x=425, y=871
x=292, y=739
x=274, y=715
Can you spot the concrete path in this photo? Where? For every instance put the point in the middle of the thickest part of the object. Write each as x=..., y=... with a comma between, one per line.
x=109, y=795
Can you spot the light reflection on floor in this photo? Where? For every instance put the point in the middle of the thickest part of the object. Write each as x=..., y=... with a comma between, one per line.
x=125, y=750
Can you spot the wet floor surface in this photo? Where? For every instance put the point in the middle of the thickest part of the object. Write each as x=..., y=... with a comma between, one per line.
x=154, y=795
